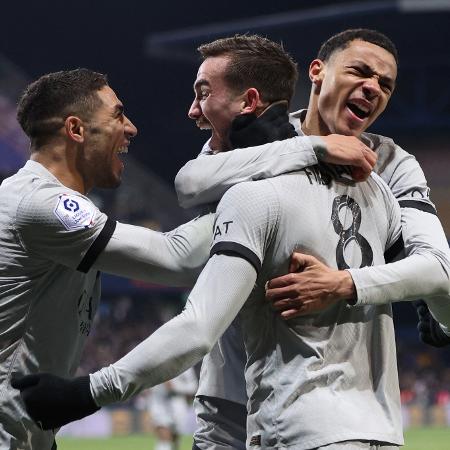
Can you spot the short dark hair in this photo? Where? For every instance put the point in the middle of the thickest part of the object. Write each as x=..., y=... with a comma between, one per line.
x=341, y=41
x=257, y=62
x=48, y=101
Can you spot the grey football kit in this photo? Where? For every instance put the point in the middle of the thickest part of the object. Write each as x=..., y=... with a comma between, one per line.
x=312, y=381
x=51, y=238
x=206, y=179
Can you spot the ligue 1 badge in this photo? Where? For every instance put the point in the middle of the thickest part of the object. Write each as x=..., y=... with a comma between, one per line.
x=74, y=212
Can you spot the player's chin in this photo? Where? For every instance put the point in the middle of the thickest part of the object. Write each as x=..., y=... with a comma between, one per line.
x=112, y=181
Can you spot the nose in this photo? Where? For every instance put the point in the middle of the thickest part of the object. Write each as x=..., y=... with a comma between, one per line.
x=130, y=129
x=195, y=111
x=371, y=88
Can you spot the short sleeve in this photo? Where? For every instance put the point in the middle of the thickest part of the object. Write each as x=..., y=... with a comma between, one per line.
x=246, y=221
x=62, y=226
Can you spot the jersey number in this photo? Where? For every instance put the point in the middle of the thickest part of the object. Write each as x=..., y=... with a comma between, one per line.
x=347, y=235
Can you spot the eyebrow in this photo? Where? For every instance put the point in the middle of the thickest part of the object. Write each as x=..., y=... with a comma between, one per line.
x=118, y=109
x=367, y=69
x=199, y=83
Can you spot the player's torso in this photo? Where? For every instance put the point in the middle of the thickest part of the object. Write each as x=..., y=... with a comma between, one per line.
x=46, y=311
x=299, y=370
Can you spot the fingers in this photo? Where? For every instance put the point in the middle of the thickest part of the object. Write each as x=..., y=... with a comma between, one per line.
x=350, y=151
x=286, y=304
x=280, y=282
x=370, y=156
x=362, y=168
x=292, y=314
x=300, y=261
x=359, y=175
x=23, y=382
x=292, y=308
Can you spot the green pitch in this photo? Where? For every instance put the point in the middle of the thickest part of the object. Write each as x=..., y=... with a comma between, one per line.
x=416, y=439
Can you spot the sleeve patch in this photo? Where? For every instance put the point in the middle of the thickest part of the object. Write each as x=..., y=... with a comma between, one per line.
x=74, y=212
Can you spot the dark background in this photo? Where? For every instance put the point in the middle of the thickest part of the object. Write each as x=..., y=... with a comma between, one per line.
x=148, y=50
x=152, y=64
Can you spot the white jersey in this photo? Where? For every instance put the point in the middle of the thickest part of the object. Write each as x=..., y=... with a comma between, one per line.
x=54, y=243
x=336, y=368
x=207, y=178
x=48, y=295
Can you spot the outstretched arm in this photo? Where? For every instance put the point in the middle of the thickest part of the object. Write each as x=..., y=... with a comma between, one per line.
x=226, y=280
x=175, y=258
x=207, y=178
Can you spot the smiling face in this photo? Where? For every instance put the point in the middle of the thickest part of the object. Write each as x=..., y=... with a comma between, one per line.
x=351, y=89
x=215, y=105
x=107, y=134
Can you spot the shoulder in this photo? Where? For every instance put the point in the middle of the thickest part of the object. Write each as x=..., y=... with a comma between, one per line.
x=255, y=203
x=250, y=193
x=50, y=203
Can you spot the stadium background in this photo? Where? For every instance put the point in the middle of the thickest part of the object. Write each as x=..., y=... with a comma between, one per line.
x=148, y=51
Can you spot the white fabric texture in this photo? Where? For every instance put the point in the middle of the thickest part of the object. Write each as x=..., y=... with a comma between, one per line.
x=46, y=306
x=205, y=179
x=174, y=258
x=215, y=300
x=341, y=353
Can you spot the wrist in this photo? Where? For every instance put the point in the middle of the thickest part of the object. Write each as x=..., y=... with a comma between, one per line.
x=319, y=146
x=346, y=288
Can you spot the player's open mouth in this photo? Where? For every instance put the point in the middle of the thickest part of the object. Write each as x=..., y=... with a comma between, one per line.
x=360, y=111
x=121, y=151
x=203, y=123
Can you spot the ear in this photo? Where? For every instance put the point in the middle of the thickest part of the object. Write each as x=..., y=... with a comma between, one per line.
x=317, y=72
x=74, y=129
x=250, y=101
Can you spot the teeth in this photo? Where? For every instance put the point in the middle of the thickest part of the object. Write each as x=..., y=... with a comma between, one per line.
x=122, y=150
x=364, y=108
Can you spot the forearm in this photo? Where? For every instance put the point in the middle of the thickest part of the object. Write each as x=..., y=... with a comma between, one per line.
x=418, y=276
x=207, y=178
x=174, y=258
x=423, y=273
x=217, y=297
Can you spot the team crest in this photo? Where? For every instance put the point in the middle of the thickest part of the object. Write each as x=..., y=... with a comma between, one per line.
x=74, y=212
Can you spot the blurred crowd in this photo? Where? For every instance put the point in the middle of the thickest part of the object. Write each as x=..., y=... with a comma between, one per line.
x=123, y=321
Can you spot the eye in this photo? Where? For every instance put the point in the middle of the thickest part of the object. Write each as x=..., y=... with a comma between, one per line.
x=387, y=88
x=203, y=94
x=355, y=70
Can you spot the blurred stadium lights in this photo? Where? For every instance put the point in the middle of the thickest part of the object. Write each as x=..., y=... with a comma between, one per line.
x=14, y=144
x=159, y=44
x=418, y=27
x=424, y=5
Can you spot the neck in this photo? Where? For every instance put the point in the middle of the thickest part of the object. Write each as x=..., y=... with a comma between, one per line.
x=217, y=144
x=313, y=123
x=61, y=163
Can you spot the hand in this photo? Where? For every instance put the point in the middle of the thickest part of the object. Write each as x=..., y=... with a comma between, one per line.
x=429, y=329
x=248, y=130
x=348, y=151
x=53, y=401
x=310, y=287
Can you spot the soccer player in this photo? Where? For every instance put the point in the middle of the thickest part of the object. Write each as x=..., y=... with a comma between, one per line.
x=170, y=406
x=55, y=241
x=253, y=241
x=344, y=87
